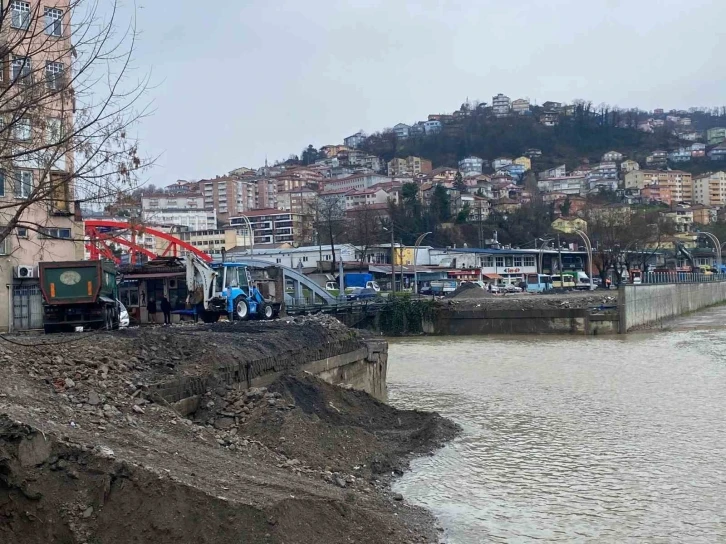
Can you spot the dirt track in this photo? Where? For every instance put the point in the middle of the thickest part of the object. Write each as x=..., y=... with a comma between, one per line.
x=86, y=456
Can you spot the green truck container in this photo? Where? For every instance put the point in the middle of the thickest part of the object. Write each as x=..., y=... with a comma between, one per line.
x=79, y=294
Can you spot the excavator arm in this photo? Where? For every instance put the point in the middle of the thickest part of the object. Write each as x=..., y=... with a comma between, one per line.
x=200, y=281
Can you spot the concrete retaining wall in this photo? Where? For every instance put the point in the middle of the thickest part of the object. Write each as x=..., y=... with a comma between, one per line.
x=549, y=321
x=643, y=305
x=361, y=364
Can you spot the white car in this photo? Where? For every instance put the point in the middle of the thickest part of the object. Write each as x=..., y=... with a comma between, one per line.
x=123, y=316
x=511, y=288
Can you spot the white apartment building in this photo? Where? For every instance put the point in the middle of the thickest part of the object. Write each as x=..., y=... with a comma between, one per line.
x=471, y=166
x=501, y=105
x=181, y=210
x=568, y=185
x=710, y=189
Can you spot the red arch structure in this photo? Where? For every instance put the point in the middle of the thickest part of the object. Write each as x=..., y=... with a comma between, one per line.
x=100, y=232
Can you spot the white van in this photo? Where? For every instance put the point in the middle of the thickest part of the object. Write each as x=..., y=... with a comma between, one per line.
x=582, y=281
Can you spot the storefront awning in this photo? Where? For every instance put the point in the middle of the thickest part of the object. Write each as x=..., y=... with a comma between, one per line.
x=492, y=276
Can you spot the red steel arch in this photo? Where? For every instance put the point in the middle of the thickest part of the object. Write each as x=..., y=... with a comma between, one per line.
x=102, y=231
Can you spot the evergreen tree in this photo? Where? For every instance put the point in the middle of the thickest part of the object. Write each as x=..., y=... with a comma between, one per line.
x=459, y=184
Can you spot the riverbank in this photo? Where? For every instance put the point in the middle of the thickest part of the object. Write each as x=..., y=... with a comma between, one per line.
x=89, y=452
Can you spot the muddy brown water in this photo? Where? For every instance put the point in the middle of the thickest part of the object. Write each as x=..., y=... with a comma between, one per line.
x=567, y=439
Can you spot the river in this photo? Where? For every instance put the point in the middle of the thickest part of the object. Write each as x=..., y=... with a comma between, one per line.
x=573, y=439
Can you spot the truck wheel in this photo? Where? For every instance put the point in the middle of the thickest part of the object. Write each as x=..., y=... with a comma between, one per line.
x=50, y=329
x=209, y=317
x=241, y=309
x=266, y=311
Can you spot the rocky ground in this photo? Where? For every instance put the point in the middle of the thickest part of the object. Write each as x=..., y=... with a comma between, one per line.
x=89, y=455
x=480, y=298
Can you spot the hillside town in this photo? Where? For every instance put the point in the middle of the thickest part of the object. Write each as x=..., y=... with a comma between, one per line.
x=491, y=219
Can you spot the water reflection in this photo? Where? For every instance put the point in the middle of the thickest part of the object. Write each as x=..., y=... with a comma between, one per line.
x=572, y=439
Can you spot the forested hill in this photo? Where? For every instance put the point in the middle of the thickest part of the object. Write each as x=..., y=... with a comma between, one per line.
x=586, y=134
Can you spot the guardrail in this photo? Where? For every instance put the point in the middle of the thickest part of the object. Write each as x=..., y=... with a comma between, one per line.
x=680, y=277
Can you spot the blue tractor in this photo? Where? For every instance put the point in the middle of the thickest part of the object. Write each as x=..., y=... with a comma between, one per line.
x=224, y=289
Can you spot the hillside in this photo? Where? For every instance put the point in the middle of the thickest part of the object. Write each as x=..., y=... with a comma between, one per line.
x=586, y=134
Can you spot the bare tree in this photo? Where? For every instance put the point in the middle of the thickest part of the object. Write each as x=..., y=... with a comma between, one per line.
x=365, y=229
x=68, y=100
x=330, y=220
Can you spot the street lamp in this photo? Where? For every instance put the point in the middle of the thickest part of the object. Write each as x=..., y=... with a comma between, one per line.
x=545, y=242
x=588, y=246
x=415, y=255
x=717, y=245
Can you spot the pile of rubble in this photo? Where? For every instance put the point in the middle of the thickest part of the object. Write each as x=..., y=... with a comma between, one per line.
x=83, y=434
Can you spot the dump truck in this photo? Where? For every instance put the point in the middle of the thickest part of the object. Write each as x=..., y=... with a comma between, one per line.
x=79, y=294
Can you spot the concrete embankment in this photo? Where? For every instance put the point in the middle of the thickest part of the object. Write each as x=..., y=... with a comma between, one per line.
x=648, y=305
x=94, y=449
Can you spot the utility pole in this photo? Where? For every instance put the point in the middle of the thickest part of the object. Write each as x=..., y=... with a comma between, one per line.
x=559, y=258
x=393, y=263
x=400, y=257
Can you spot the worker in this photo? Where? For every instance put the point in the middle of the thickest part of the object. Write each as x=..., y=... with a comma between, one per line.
x=166, y=310
x=151, y=309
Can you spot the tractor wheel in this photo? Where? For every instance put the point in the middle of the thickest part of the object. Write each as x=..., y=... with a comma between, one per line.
x=266, y=311
x=241, y=309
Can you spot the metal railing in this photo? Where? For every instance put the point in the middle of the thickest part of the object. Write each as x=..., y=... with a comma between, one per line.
x=680, y=277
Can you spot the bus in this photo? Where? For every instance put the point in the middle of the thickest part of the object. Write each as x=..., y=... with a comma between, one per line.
x=538, y=283
x=566, y=281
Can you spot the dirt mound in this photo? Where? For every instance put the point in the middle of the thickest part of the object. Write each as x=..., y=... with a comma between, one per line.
x=333, y=430
x=88, y=455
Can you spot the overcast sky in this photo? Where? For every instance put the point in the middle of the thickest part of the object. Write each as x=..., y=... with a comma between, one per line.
x=238, y=80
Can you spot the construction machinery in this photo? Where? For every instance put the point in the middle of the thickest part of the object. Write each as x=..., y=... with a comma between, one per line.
x=79, y=294
x=218, y=289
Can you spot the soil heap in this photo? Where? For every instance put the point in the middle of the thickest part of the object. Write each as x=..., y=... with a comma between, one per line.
x=88, y=455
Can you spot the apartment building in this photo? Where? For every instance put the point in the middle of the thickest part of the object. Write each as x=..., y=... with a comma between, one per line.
x=680, y=183
x=37, y=179
x=356, y=181
x=187, y=211
x=710, y=189
x=355, y=140
x=501, y=105
x=410, y=166
x=265, y=193
x=521, y=106
x=716, y=135
x=401, y=130
x=471, y=166
x=274, y=226
x=301, y=201
x=526, y=162
x=612, y=156
x=228, y=196
x=568, y=185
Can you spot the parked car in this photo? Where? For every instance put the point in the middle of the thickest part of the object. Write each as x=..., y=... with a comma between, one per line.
x=361, y=293
x=511, y=288
x=123, y=316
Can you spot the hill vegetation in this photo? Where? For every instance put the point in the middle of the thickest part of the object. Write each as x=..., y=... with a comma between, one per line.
x=584, y=135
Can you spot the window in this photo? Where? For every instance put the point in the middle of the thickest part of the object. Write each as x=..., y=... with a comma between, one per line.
x=21, y=232
x=305, y=259
x=500, y=262
x=518, y=261
x=63, y=234
x=20, y=14
x=529, y=260
x=2, y=183
x=278, y=261
x=5, y=246
x=21, y=129
x=23, y=183
x=53, y=130
x=21, y=68
x=487, y=262
x=54, y=75
x=508, y=261
x=53, y=22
